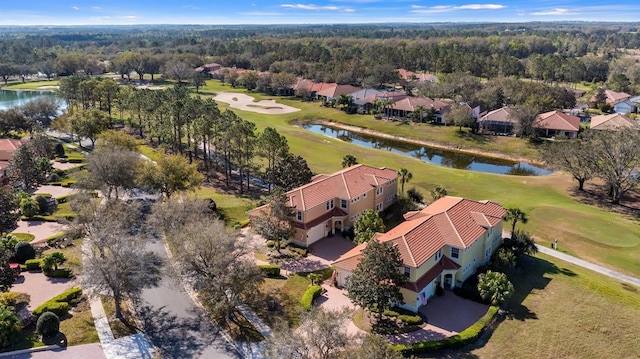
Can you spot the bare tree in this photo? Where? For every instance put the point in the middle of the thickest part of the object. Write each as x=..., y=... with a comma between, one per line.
x=524, y=118
x=322, y=335
x=115, y=259
x=573, y=156
x=111, y=169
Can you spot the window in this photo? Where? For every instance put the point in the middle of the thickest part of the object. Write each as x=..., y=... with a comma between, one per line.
x=330, y=205
x=379, y=190
x=299, y=216
x=364, y=195
x=455, y=253
x=343, y=203
x=438, y=255
x=407, y=271
x=379, y=207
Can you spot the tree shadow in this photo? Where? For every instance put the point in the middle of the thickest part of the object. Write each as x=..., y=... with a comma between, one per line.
x=531, y=275
x=178, y=337
x=59, y=339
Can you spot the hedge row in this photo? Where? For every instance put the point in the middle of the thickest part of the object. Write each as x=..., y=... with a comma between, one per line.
x=463, y=338
x=59, y=305
x=270, y=270
x=33, y=264
x=310, y=295
x=408, y=317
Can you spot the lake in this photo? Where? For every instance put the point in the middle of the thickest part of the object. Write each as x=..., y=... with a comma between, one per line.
x=432, y=155
x=10, y=99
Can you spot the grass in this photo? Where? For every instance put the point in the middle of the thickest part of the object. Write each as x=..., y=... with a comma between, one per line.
x=615, y=242
x=233, y=207
x=27, y=237
x=562, y=311
x=241, y=329
x=286, y=292
x=72, y=153
x=73, y=254
x=151, y=153
x=119, y=328
x=32, y=85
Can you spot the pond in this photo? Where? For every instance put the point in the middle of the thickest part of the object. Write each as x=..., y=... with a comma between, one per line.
x=432, y=155
x=10, y=99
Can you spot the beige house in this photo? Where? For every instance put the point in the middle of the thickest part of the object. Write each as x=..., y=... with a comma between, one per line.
x=558, y=124
x=613, y=121
x=332, y=203
x=441, y=245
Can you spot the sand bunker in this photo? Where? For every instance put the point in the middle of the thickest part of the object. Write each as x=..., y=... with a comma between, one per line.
x=248, y=103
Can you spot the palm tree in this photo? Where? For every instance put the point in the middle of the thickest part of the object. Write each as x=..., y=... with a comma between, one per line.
x=495, y=286
x=515, y=215
x=405, y=176
x=349, y=160
x=438, y=192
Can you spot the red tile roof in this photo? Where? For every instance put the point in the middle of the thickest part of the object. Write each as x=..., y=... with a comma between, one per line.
x=410, y=103
x=611, y=122
x=338, y=90
x=613, y=97
x=444, y=264
x=450, y=221
x=557, y=120
x=500, y=115
x=413, y=76
x=346, y=184
x=7, y=147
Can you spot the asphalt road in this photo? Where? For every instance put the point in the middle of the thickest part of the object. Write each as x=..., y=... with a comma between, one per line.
x=93, y=351
x=174, y=324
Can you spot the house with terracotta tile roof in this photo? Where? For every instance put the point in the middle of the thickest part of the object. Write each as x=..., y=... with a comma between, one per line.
x=7, y=147
x=364, y=99
x=407, y=76
x=332, y=203
x=611, y=97
x=613, y=121
x=441, y=245
x=403, y=107
x=497, y=121
x=332, y=93
x=557, y=123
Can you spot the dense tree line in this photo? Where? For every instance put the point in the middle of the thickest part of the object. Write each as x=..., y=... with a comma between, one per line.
x=188, y=125
x=341, y=53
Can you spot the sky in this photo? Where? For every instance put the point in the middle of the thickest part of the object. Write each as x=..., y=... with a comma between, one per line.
x=223, y=12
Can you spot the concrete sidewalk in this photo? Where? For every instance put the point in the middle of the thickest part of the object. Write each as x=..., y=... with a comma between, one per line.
x=132, y=346
x=588, y=265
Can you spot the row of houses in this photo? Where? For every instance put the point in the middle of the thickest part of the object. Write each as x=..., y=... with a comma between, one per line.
x=441, y=245
x=551, y=124
x=621, y=102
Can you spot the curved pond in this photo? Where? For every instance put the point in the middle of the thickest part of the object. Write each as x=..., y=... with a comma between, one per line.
x=10, y=99
x=436, y=156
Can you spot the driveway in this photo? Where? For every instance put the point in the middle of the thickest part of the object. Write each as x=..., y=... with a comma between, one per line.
x=40, y=287
x=93, y=351
x=55, y=191
x=323, y=252
x=174, y=324
x=453, y=313
x=40, y=229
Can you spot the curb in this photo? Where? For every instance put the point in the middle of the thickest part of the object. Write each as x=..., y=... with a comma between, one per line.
x=31, y=350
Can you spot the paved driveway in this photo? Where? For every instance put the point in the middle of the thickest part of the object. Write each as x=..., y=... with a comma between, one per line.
x=40, y=287
x=40, y=229
x=322, y=254
x=453, y=313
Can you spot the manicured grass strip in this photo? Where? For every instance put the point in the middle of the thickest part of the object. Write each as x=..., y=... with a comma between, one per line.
x=33, y=85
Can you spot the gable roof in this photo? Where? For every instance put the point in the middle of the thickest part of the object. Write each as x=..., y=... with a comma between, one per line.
x=338, y=90
x=346, y=184
x=410, y=104
x=613, y=97
x=414, y=76
x=452, y=221
x=611, y=122
x=7, y=147
x=500, y=115
x=557, y=120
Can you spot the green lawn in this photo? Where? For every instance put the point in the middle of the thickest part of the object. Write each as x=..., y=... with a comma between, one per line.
x=233, y=207
x=586, y=231
x=73, y=254
x=563, y=311
x=33, y=85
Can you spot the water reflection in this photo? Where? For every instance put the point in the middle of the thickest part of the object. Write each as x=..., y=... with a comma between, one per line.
x=436, y=156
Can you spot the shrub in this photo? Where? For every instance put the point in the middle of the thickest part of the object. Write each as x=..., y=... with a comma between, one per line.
x=271, y=244
x=23, y=251
x=301, y=251
x=59, y=150
x=48, y=324
x=64, y=198
x=60, y=303
x=59, y=273
x=309, y=296
x=410, y=319
x=415, y=195
x=43, y=204
x=11, y=299
x=33, y=264
x=52, y=261
x=29, y=207
x=9, y=326
x=59, y=308
x=270, y=270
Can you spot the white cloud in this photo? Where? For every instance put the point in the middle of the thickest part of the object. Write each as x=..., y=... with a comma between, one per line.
x=310, y=7
x=447, y=8
x=349, y=10
x=96, y=8
x=75, y=8
x=553, y=12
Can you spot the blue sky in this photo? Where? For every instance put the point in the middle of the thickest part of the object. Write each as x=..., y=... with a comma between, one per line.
x=82, y=12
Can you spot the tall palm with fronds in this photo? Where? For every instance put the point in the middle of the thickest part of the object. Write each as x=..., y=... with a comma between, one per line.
x=515, y=215
x=405, y=176
x=438, y=192
x=348, y=161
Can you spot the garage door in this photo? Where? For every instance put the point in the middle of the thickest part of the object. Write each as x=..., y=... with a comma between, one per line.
x=315, y=234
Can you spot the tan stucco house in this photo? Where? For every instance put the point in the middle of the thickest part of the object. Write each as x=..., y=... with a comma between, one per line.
x=332, y=203
x=441, y=245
